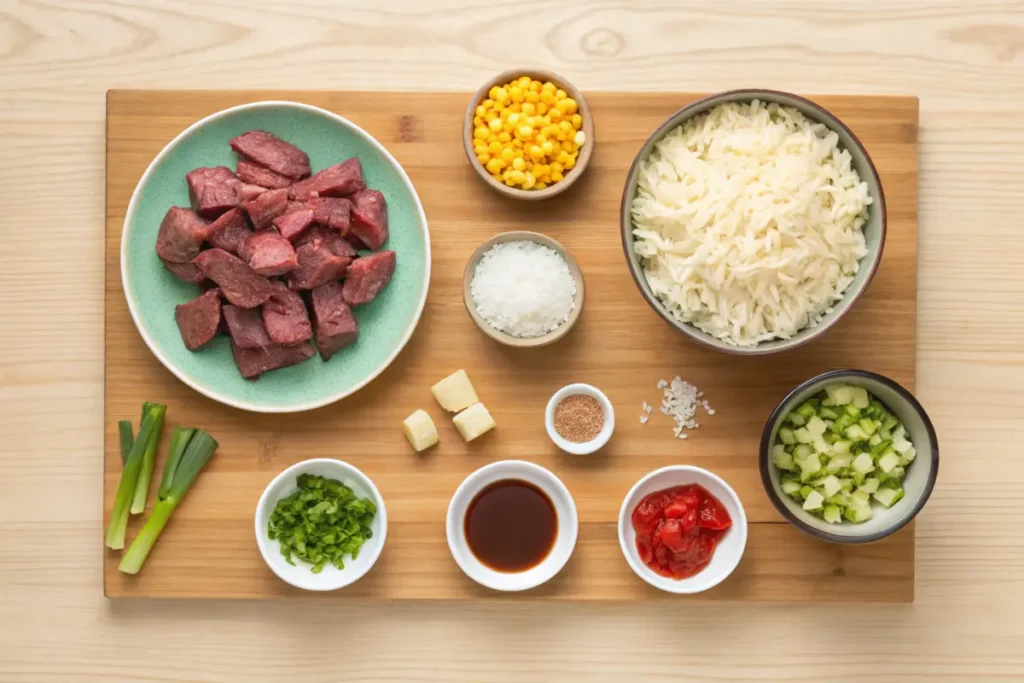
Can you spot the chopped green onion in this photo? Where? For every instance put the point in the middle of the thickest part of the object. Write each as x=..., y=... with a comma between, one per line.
x=142, y=482
x=186, y=466
x=124, y=428
x=179, y=442
x=152, y=422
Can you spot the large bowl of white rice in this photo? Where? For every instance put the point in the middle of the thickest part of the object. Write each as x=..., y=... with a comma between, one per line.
x=752, y=220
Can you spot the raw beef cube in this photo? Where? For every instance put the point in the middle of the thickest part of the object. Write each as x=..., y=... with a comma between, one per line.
x=240, y=285
x=268, y=253
x=317, y=266
x=182, y=233
x=333, y=212
x=248, y=192
x=339, y=180
x=199, y=319
x=254, y=362
x=188, y=271
x=370, y=218
x=272, y=152
x=285, y=316
x=245, y=325
x=265, y=208
x=292, y=225
x=213, y=190
x=336, y=327
x=367, y=276
x=229, y=231
x=356, y=243
x=335, y=243
x=248, y=172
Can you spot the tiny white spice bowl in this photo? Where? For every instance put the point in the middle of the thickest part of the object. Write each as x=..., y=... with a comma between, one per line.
x=586, y=447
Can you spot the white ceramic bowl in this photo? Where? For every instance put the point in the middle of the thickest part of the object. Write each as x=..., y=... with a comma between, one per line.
x=331, y=578
x=585, y=447
x=565, y=541
x=730, y=545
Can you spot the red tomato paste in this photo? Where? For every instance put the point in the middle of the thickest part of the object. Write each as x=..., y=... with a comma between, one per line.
x=677, y=529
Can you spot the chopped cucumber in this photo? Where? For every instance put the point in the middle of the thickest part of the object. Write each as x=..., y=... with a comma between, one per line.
x=863, y=464
x=870, y=485
x=887, y=497
x=790, y=487
x=814, y=501
x=840, y=450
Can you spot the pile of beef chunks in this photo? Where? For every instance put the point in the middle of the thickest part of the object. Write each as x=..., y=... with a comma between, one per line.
x=281, y=246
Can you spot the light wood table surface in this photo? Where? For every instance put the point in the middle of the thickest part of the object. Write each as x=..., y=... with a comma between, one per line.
x=965, y=60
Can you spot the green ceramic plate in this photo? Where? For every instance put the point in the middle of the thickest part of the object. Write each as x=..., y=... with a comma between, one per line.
x=385, y=325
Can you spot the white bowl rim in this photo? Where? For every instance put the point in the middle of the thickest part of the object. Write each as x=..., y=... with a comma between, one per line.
x=129, y=220
x=376, y=543
x=586, y=447
x=552, y=481
x=681, y=586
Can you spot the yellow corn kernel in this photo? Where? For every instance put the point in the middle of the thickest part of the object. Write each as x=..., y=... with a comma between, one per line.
x=513, y=119
x=506, y=174
x=528, y=108
x=495, y=125
x=477, y=122
x=580, y=138
x=577, y=121
x=479, y=147
x=536, y=153
x=530, y=181
x=565, y=126
x=492, y=114
x=556, y=167
x=481, y=110
x=561, y=137
x=540, y=170
x=536, y=86
x=539, y=185
x=547, y=147
x=568, y=146
x=555, y=114
x=549, y=87
x=491, y=137
x=517, y=164
x=510, y=182
x=556, y=177
x=516, y=107
x=517, y=143
x=524, y=132
x=540, y=138
x=549, y=131
x=493, y=93
x=569, y=163
x=495, y=165
x=532, y=97
x=562, y=157
x=481, y=133
x=548, y=99
x=529, y=165
x=518, y=177
x=523, y=82
x=546, y=179
x=515, y=93
x=560, y=94
x=504, y=137
x=494, y=147
x=501, y=97
x=507, y=155
x=496, y=176
x=484, y=158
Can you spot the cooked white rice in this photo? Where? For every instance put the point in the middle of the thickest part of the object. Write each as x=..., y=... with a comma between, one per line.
x=749, y=220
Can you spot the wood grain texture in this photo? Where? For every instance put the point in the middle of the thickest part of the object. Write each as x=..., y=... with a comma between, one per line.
x=619, y=344
x=963, y=59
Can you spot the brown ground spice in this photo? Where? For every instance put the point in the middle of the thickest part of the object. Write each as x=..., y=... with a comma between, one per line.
x=579, y=418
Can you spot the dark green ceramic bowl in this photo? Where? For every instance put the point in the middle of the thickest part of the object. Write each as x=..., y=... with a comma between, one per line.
x=385, y=325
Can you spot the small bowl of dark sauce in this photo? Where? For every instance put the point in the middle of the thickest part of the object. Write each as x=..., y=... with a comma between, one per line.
x=511, y=525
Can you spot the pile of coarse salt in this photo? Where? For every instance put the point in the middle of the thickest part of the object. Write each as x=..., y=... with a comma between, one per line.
x=523, y=288
x=680, y=402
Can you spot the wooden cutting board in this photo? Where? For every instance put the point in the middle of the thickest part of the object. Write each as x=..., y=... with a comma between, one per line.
x=208, y=549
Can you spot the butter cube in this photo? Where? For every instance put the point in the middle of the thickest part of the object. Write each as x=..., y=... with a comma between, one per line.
x=420, y=430
x=473, y=421
x=455, y=392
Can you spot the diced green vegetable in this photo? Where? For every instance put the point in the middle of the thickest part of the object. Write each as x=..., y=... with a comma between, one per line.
x=802, y=451
x=840, y=394
x=321, y=523
x=816, y=426
x=870, y=485
x=889, y=461
x=831, y=486
x=888, y=497
x=855, y=433
x=786, y=436
x=803, y=435
x=790, y=487
x=796, y=419
x=832, y=514
x=861, y=399
x=782, y=459
x=186, y=467
x=827, y=413
x=863, y=464
x=813, y=501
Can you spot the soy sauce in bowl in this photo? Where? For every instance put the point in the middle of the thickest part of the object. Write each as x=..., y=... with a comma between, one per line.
x=511, y=525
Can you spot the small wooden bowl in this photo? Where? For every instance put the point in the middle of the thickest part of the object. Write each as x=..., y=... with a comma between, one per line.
x=585, y=152
x=507, y=339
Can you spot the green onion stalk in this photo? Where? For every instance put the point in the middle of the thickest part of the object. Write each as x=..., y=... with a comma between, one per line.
x=142, y=482
x=149, y=428
x=190, y=450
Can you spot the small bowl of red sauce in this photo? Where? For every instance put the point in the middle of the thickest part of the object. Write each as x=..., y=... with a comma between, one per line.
x=682, y=529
